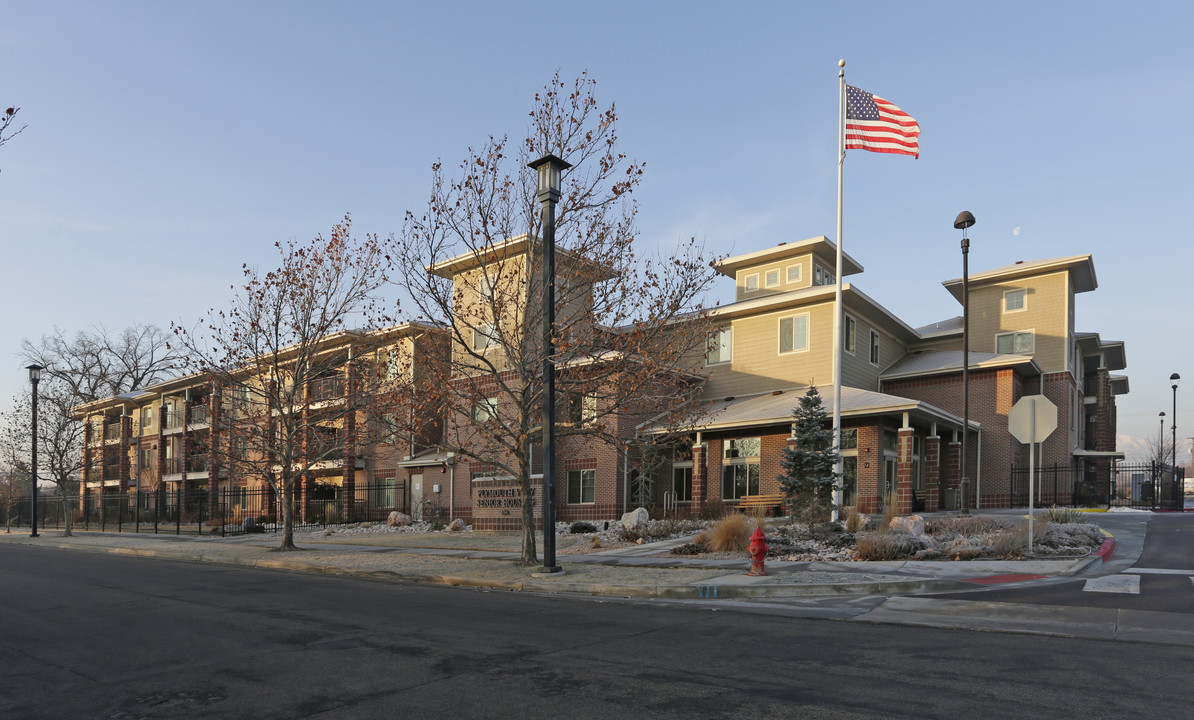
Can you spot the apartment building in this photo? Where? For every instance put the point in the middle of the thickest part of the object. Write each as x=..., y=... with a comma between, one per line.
x=901, y=399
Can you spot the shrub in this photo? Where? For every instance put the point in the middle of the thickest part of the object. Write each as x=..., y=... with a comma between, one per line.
x=263, y=519
x=714, y=509
x=853, y=520
x=580, y=527
x=1065, y=515
x=958, y=525
x=692, y=548
x=890, y=509
x=888, y=546
x=730, y=534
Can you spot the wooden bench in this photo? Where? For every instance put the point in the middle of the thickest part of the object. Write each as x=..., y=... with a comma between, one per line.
x=766, y=501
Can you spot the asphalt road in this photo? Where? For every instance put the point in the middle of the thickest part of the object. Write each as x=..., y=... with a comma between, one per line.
x=1158, y=580
x=98, y=636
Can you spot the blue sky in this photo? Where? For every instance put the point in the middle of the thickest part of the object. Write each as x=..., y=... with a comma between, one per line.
x=169, y=143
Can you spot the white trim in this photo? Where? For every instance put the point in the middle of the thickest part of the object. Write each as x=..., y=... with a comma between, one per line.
x=849, y=321
x=709, y=343
x=1023, y=301
x=1013, y=333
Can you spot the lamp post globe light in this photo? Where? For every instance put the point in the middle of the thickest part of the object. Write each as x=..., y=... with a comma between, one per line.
x=34, y=379
x=549, y=168
x=964, y=220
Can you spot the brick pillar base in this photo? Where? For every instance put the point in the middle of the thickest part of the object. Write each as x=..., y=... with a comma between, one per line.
x=904, y=472
x=932, y=473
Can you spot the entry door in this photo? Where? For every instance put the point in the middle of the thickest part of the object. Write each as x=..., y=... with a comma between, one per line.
x=889, y=478
x=416, y=497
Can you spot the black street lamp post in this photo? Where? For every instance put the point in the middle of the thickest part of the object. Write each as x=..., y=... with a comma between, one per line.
x=1173, y=421
x=1159, y=470
x=964, y=220
x=549, y=168
x=34, y=379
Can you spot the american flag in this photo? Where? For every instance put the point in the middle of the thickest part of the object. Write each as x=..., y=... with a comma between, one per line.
x=875, y=124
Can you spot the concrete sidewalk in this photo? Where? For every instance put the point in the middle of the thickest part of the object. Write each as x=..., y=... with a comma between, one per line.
x=623, y=572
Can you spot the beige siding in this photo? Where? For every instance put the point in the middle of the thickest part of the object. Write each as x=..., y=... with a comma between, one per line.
x=805, y=262
x=757, y=364
x=1045, y=314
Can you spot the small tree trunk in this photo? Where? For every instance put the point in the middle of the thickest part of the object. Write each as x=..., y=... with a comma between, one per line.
x=66, y=519
x=287, y=514
x=530, y=555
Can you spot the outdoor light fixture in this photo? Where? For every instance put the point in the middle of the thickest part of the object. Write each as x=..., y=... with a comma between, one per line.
x=34, y=379
x=964, y=220
x=549, y=167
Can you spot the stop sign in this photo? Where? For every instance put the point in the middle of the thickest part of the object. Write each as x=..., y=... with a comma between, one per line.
x=1027, y=409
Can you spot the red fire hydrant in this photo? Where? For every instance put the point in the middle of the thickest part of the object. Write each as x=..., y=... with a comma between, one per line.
x=758, y=552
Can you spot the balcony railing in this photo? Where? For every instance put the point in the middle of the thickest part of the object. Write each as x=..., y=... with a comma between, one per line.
x=200, y=415
x=171, y=419
x=112, y=432
x=328, y=388
x=173, y=466
x=112, y=471
x=198, y=465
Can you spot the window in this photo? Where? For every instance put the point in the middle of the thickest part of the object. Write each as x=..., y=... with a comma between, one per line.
x=849, y=328
x=771, y=279
x=752, y=282
x=682, y=483
x=485, y=291
x=821, y=276
x=874, y=348
x=393, y=365
x=849, y=439
x=384, y=494
x=1015, y=342
x=793, y=333
x=485, y=410
x=388, y=431
x=581, y=486
x=146, y=419
x=483, y=337
x=740, y=474
x=795, y=273
x=720, y=346
x=582, y=409
x=1014, y=300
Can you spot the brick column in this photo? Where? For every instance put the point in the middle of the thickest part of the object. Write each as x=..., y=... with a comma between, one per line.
x=698, y=477
x=932, y=472
x=904, y=471
x=348, y=480
x=126, y=430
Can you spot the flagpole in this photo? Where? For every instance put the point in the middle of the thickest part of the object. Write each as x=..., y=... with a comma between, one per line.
x=837, y=315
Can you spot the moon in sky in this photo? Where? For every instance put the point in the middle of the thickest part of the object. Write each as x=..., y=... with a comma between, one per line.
x=1016, y=230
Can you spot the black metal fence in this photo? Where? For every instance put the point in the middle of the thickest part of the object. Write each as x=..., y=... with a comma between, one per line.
x=1145, y=485
x=227, y=511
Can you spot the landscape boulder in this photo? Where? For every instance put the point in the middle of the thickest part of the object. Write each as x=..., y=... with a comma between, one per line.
x=911, y=524
x=398, y=519
x=456, y=525
x=634, y=518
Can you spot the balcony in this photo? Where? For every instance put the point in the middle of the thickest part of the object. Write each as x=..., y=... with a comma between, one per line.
x=198, y=465
x=328, y=388
x=171, y=420
x=112, y=432
x=200, y=415
x=111, y=471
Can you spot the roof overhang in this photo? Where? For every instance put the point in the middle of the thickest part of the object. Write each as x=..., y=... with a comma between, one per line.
x=1080, y=267
x=1099, y=454
x=820, y=246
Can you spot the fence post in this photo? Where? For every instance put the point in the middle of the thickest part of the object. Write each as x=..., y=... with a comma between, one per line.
x=178, y=509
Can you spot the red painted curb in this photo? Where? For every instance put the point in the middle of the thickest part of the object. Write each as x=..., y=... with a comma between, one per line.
x=1107, y=549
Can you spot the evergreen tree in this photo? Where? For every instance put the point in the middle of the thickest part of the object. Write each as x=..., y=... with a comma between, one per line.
x=809, y=467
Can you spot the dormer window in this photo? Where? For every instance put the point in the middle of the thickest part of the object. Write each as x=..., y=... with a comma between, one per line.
x=752, y=282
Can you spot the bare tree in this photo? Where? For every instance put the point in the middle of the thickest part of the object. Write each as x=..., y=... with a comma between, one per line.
x=293, y=374
x=626, y=328
x=8, y=128
x=101, y=363
x=59, y=439
x=14, y=456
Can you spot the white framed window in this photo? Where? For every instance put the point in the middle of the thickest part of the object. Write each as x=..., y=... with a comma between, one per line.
x=1020, y=343
x=795, y=273
x=485, y=410
x=793, y=334
x=582, y=409
x=582, y=486
x=1015, y=300
x=849, y=330
x=483, y=337
x=751, y=282
x=771, y=279
x=388, y=429
x=822, y=276
x=485, y=291
x=393, y=365
x=874, y=348
x=721, y=346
